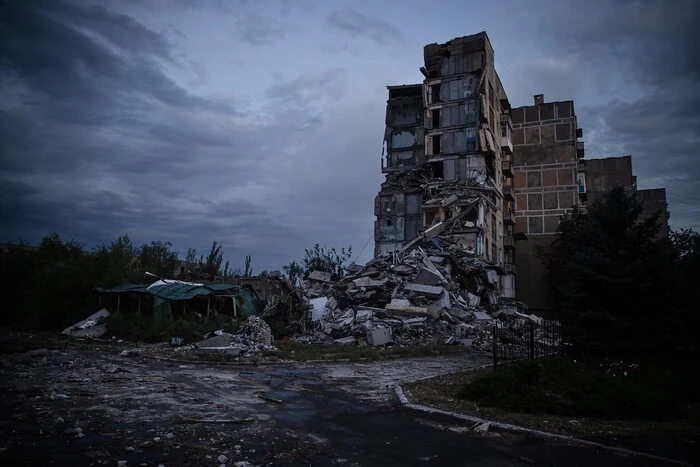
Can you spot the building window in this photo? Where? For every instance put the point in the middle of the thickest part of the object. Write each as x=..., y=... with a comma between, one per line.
x=435, y=116
x=435, y=144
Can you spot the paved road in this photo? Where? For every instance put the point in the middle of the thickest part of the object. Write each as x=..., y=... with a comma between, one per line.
x=81, y=407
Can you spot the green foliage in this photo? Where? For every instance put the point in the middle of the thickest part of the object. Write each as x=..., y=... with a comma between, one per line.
x=611, y=276
x=560, y=387
x=52, y=286
x=143, y=327
x=158, y=258
x=212, y=266
x=294, y=272
x=322, y=258
x=248, y=269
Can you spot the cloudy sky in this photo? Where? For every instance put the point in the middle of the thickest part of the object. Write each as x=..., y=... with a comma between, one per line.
x=259, y=123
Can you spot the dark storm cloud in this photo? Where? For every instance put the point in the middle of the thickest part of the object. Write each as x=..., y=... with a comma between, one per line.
x=643, y=60
x=99, y=141
x=357, y=24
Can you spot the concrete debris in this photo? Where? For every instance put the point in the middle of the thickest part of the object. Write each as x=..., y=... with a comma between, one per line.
x=379, y=336
x=92, y=326
x=443, y=294
x=320, y=276
x=482, y=427
x=255, y=336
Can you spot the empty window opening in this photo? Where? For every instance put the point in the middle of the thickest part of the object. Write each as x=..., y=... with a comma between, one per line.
x=435, y=116
x=389, y=222
x=435, y=143
x=438, y=170
x=435, y=93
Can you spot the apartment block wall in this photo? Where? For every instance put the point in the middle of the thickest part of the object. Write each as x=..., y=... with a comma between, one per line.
x=547, y=184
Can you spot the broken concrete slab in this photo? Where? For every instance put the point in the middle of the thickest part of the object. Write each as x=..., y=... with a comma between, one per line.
x=320, y=276
x=363, y=314
x=427, y=277
x=410, y=311
x=482, y=316
x=367, y=282
x=434, y=230
x=427, y=290
x=400, y=302
x=223, y=340
x=473, y=300
x=403, y=269
x=92, y=326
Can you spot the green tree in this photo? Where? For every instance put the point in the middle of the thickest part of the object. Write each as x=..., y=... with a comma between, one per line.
x=117, y=263
x=212, y=264
x=61, y=285
x=610, y=275
x=322, y=258
x=248, y=269
x=158, y=258
x=294, y=272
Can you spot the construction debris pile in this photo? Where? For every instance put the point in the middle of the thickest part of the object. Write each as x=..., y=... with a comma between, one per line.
x=255, y=335
x=442, y=295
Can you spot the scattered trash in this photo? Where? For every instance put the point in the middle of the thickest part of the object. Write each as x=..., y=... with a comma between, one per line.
x=177, y=341
x=483, y=427
x=271, y=399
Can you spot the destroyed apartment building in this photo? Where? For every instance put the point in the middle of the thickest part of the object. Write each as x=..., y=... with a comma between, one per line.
x=446, y=157
x=443, y=269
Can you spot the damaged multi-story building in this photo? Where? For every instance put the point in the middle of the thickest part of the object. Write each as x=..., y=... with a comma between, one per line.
x=446, y=157
x=460, y=163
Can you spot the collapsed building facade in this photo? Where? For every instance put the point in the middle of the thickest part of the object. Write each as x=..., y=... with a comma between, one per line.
x=446, y=157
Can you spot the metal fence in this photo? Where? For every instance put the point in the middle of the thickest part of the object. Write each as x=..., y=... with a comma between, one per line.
x=525, y=339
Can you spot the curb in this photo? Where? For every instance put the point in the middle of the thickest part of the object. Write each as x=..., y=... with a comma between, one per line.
x=521, y=429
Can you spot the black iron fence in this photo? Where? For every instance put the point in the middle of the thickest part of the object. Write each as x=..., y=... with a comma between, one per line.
x=524, y=339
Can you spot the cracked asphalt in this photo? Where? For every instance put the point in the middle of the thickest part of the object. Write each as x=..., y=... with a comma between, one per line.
x=83, y=406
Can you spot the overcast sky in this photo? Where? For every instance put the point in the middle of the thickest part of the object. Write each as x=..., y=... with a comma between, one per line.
x=259, y=123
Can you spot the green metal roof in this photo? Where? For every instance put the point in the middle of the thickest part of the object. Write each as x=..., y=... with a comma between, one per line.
x=188, y=291
x=123, y=288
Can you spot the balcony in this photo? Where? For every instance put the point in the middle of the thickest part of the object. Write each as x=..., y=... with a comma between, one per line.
x=580, y=150
x=506, y=130
x=508, y=217
x=508, y=242
x=508, y=193
x=582, y=187
x=510, y=268
x=507, y=167
x=582, y=195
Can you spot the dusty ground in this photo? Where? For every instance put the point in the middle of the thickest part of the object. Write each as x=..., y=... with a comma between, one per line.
x=68, y=403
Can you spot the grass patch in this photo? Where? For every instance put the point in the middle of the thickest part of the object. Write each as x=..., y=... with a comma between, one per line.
x=305, y=352
x=561, y=396
x=560, y=387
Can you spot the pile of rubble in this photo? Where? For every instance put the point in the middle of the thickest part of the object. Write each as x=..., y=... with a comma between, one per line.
x=441, y=295
x=255, y=335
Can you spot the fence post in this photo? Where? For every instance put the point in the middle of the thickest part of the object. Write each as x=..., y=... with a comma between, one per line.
x=495, y=347
x=532, y=340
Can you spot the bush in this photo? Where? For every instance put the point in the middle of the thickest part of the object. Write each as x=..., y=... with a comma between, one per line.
x=143, y=327
x=560, y=387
